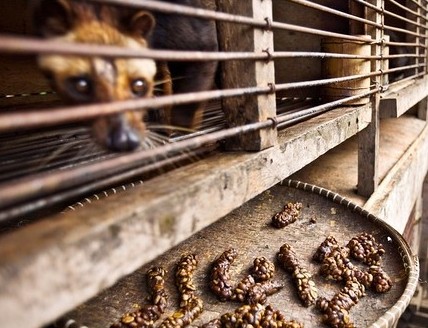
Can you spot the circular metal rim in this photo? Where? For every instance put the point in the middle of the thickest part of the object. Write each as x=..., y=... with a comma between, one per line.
x=410, y=261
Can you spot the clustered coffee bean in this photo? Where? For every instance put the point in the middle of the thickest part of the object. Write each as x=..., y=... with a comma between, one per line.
x=287, y=216
x=364, y=248
x=254, y=288
x=337, y=266
x=185, y=315
x=381, y=280
x=259, y=292
x=183, y=278
x=335, y=311
x=262, y=269
x=307, y=291
x=191, y=306
x=147, y=314
x=256, y=316
x=220, y=283
x=326, y=247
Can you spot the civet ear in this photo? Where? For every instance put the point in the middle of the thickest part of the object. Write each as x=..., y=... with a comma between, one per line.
x=51, y=17
x=142, y=24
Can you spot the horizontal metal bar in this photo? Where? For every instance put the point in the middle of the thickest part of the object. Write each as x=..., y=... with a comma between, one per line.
x=399, y=17
x=25, y=45
x=45, y=183
x=293, y=118
x=8, y=216
x=405, y=44
x=405, y=31
x=369, y=5
x=399, y=5
x=49, y=117
x=339, y=13
x=220, y=16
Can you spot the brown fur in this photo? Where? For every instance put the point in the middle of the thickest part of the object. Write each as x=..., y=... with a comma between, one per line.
x=112, y=79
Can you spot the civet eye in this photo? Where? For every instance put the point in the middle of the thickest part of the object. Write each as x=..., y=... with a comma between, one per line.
x=139, y=87
x=81, y=84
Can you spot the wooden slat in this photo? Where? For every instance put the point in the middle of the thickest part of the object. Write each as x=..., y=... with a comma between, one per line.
x=397, y=193
x=52, y=266
x=423, y=109
x=368, y=154
x=397, y=102
x=248, y=109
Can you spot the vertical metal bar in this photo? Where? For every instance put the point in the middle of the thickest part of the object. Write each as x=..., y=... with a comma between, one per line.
x=368, y=139
x=252, y=108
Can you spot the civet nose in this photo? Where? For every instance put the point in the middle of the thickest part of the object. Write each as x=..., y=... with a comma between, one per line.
x=123, y=138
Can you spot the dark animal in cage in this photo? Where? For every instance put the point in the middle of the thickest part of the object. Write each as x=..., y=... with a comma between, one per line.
x=96, y=79
x=402, y=60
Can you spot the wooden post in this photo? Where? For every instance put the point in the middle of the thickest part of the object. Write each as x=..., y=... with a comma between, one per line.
x=368, y=139
x=423, y=109
x=248, y=109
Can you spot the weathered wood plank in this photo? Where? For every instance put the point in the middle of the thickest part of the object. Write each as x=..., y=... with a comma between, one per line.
x=53, y=265
x=235, y=74
x=398, y=191
x=398, y=102
x=423, y=109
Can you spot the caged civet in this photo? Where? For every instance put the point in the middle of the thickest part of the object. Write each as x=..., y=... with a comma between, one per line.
x=97, y=79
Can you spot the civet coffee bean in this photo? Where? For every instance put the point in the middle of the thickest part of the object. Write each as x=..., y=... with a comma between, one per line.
x=262, y=269
x=306, y=289
x=335, y=311
x=191, y=306
x=288, y=215
x=146, y=315
x=326, y=247
x=220, y=283
x=185, y=315
x=381, y=281
x=364, y=248
x=253, y=288
x=254, y=315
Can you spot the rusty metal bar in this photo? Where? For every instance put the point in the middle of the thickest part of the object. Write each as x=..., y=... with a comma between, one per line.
x=46, y=183
x=25, y=45
x=339, y=13
x=387, y=12
x=369, y=5
x=59, y=197
x=48, y=117
x=19, y=211
x=122, y=167
x=288, y=119
x=220, y=16
x=416, y=14
x=402, y=30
